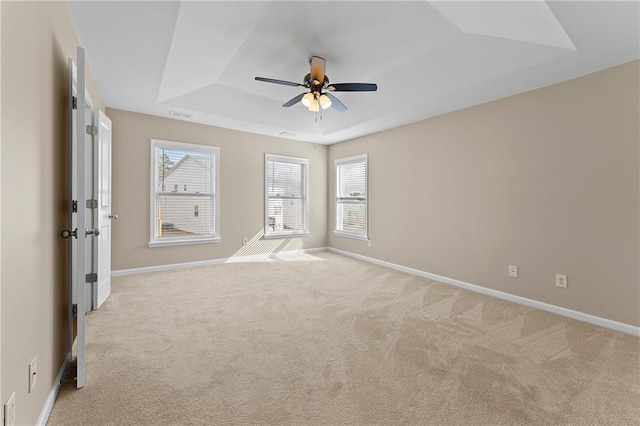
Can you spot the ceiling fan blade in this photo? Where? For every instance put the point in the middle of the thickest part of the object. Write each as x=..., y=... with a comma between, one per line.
x=318, y=67
x=336, y=104
x=286, y=83
x=353, y=87
x=294, y=100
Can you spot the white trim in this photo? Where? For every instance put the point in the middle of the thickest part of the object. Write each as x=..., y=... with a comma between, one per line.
x=53, y=393
x=286, y=159
x=169, y=267
x=288, y=235
x=351, y=160
x=173, y=266
x=348, y=235
x=581, y=316
x=211, y=150
x=183, y=242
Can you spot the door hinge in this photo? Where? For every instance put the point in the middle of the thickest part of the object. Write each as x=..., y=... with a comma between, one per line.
x=92, y=130
x=74, y=206
x=91, y=278
x=74, y=309
x=92, y=204
x=74, y=102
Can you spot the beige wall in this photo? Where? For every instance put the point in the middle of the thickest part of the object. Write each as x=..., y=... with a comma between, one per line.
x=546, y=180
x=241, y=190
x=37, y=39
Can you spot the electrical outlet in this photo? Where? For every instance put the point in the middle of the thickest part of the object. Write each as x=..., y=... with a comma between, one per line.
x=369, y=243
x=10, y=411
x=245, y=241
x=33, y=373
x=513, y=271
x=561, y=280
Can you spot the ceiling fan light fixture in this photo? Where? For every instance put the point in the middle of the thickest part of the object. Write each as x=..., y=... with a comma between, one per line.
x=325, y=102
x=315, y=105
x=308, y=99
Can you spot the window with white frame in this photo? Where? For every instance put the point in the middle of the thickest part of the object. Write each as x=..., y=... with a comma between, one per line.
x=286, y=196
x=184, y=193
x=351, y=197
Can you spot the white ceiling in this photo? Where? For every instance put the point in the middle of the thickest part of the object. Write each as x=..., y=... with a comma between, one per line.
x=428, y=58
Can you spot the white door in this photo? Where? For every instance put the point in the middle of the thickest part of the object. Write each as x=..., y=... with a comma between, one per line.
x=102, y=188
x=82, y=231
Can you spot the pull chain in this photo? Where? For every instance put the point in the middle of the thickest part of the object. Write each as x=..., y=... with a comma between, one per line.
x=319, y=111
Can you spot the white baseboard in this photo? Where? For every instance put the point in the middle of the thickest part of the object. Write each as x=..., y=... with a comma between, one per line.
x=169, y=267
x=581, y=316
x=238, y=259
x=53, y=393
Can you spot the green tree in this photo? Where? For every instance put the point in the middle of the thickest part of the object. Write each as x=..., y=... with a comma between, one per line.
x=164, y=166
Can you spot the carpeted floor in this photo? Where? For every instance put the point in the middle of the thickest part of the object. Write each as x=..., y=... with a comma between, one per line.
x=326, y=340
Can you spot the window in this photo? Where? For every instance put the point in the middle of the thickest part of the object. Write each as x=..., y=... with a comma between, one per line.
x=351, y=197
x=184, y=193
x=286, y=203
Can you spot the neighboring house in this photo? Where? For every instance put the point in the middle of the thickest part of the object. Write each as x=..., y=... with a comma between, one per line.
x=185, y=205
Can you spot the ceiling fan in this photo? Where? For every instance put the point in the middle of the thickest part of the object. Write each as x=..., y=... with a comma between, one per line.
x=319, y=95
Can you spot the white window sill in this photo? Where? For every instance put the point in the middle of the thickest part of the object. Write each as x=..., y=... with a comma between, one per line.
x=347, y=235
x=287, y=235
x=183, y=242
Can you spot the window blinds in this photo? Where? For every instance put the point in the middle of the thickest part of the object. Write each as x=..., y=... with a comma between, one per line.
x=351, y=196
x=286, y=197
x=184, y=193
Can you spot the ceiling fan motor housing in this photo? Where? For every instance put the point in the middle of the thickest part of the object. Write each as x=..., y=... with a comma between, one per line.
x=311, y=83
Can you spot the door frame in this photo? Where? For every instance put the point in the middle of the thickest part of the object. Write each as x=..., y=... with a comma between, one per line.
x=102, y=218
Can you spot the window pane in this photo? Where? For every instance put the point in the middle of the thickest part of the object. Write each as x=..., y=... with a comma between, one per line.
x=352, y=179
x=285, y=179
x=182, y=215
x=285, y=216
x=182, y=171
x=351, y=217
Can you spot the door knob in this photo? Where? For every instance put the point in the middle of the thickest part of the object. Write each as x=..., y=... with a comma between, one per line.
x=113, y=216
x=95, y=232
x=67, y=234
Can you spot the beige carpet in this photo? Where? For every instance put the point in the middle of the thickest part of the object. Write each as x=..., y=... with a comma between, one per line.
x=328, y=340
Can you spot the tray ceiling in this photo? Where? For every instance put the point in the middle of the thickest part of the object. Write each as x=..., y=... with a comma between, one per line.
x=428, y=58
